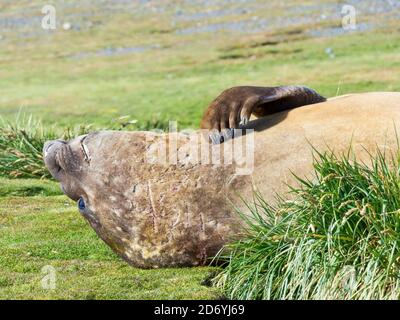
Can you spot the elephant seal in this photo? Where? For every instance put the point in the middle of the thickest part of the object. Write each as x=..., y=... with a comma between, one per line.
x=180, y=212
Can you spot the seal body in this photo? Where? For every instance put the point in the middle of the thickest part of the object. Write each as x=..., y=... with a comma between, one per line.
x=180, y=212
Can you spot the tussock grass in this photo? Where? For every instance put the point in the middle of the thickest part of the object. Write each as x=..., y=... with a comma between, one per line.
x=21, y=146
x=21, y=142
x=340, y=238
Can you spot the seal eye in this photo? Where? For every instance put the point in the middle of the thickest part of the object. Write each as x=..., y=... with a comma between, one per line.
x=81, y=204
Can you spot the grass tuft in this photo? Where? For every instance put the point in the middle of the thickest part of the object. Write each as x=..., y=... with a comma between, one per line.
x=339, y=238
x=21, y=146
x=21, y=142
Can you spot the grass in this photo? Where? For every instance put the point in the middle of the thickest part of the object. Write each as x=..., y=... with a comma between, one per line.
x=21, y=145
x=63, y=96
x=46, y=230
x=338, y=239
x=21, y=142
x=28, y=187
x=178, y=80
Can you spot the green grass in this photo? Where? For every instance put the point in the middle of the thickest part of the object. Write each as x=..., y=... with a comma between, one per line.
x=338, y=239
x=180, y=79
x=21, y=145
x=21, y=142
x=47, y=230
x=28, y=187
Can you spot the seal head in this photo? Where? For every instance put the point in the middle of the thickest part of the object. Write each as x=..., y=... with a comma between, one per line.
x=151, y=214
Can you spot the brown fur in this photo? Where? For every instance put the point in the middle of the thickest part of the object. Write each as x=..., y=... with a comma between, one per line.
x=157, y=215
x=237, y=104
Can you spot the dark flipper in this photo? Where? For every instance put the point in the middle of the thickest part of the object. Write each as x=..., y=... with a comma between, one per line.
x=234, y=106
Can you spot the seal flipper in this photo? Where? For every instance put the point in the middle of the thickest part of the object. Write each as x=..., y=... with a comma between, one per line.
x=234, y=107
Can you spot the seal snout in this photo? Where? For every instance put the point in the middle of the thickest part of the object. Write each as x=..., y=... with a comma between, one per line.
x=50, y=150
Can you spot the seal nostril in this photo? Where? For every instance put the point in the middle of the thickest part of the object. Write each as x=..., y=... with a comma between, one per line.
x=49, y=144
x=51, y=153
x=47, y=147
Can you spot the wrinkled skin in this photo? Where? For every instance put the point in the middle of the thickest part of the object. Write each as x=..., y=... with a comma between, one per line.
x=181, y=214
x=151, y=214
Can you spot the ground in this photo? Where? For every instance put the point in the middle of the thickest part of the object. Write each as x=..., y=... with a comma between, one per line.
x=153, y=61
x=45, y=230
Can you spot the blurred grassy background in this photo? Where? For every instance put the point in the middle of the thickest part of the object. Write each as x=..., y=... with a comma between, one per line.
x=150, y=58
x=152, y=61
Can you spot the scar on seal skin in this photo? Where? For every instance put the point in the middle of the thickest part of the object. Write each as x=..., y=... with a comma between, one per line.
x=155, y=214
